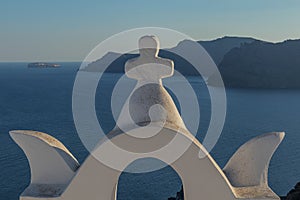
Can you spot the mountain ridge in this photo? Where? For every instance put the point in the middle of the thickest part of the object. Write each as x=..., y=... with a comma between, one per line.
x=242, y=61
x=216, y=48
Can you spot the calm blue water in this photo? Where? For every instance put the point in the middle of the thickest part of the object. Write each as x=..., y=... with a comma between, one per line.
x=40, y=99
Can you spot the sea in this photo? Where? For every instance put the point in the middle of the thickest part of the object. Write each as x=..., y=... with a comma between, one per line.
x=41, y=99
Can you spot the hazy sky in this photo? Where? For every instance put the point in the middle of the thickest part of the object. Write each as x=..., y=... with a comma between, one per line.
x=57, y=30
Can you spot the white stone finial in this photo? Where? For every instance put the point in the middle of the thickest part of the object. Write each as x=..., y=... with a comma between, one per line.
x=149, y=102
x=148, y=66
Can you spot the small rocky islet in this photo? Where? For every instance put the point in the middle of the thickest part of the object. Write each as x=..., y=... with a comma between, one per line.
x=42, y=65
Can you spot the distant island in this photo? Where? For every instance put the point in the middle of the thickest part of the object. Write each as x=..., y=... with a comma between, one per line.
x=42, y=65
x=242, y=61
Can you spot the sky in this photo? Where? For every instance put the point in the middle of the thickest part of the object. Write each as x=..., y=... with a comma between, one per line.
x=57, y=30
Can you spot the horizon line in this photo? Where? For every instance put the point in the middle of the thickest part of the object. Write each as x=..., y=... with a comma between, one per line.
x=198, y=40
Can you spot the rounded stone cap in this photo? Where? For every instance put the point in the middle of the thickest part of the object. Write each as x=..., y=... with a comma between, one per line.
x=149, y=42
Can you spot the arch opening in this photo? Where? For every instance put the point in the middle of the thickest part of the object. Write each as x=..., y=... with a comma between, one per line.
x=155, y=185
